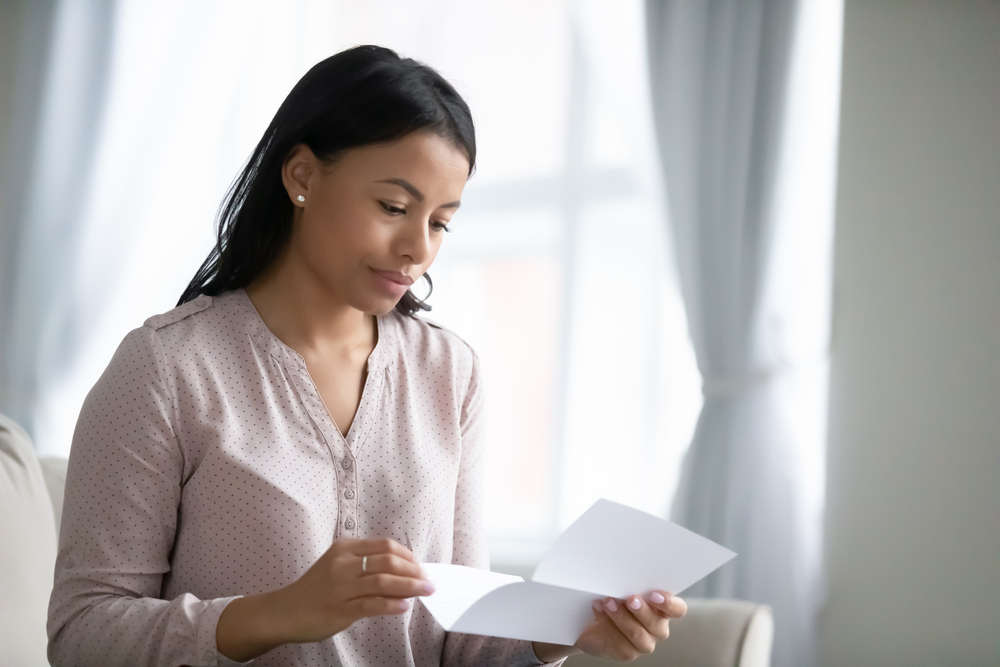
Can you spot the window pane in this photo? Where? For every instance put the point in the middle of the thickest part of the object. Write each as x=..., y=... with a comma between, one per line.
x=510, y=309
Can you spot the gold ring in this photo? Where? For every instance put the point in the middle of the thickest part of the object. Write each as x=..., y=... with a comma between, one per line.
x=364, y=564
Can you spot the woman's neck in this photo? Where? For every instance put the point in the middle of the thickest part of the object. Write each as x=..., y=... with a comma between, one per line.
x=308, y=318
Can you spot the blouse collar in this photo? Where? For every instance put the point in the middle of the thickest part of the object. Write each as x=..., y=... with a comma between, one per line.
x=265, y=339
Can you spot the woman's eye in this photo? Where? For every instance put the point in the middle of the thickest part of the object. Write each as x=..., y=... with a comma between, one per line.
x=389, y=208
x=440, y=227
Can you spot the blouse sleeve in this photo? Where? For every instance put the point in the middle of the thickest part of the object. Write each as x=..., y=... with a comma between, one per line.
x=123, y=488
x=470, y=547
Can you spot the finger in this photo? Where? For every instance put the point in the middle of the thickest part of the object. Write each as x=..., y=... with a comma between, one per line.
x=629, y=626
x=667, y=604
x=602, y=638
x=380, y=546
x=654, y=622
x=387, y=586
x=392, y=564
x=376, y=606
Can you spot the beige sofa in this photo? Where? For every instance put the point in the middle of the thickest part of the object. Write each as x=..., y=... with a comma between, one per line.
x=31, y=492
x=715, y=633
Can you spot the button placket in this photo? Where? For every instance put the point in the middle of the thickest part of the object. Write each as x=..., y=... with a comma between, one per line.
x=336, y=442
x=348, y=481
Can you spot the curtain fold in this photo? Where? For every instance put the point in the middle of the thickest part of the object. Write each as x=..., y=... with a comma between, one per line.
x=731, y=83
x=25, y=37
x=62, y=68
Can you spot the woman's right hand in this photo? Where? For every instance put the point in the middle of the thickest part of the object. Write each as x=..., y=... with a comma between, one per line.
x=331, y=595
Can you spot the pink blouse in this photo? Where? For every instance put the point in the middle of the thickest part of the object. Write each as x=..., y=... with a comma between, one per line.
x=205, y=466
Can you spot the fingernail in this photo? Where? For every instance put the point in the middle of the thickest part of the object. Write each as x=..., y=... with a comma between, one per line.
x=428, y=588
x=634, y=604
x=611, y=605
x=657, y=598
x=403, y=605
x=598, y=607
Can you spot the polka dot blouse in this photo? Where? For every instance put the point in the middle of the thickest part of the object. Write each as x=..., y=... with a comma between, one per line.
x=205, y=466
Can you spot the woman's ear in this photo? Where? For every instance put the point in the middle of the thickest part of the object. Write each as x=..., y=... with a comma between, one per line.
x=297, y=171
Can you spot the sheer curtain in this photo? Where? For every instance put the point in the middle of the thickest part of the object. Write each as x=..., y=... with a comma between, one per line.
x=60, y=71
x=559, y=270
x=746, y=99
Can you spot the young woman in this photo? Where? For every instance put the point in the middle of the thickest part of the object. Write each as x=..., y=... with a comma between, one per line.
x=260, y=471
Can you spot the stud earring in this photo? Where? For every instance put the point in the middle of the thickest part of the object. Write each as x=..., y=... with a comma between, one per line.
x=301, y=198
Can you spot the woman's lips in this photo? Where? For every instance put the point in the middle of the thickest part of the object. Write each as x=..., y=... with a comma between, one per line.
x=393, y=282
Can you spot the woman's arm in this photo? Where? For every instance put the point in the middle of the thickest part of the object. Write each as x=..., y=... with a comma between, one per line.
x=352, y=580
x=123, y=489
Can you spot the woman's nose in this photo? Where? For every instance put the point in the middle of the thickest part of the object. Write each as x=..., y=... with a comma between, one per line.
x=415, y=241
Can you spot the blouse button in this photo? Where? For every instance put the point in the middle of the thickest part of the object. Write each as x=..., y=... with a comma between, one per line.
x=349, y=524
x=346, y=463
x=349, y=493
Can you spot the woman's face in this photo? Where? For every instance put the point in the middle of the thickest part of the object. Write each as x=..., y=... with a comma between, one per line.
x=372, y=221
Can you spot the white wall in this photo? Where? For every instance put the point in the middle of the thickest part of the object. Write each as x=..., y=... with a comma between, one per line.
x=913, y=516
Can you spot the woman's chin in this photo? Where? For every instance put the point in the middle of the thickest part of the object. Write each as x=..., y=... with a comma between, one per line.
x=377, y=306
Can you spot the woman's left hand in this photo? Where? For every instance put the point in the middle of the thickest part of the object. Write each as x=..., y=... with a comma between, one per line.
x=622, y=629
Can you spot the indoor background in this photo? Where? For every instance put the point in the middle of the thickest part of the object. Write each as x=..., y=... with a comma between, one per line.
x=735, y=263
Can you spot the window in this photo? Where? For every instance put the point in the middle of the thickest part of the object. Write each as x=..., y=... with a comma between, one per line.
x=558, y=271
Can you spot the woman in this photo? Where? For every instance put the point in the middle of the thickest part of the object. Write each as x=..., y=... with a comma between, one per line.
x=292, y=401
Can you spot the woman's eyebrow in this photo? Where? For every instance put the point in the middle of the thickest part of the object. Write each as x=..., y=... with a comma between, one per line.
x=417, y=194
x=406, y=185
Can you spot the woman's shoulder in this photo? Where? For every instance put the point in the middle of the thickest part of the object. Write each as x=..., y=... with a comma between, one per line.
x=213, y=307
x=206, y=322
x=202, y=329
x=142, y=342
x=178, y=313
x=424, y=340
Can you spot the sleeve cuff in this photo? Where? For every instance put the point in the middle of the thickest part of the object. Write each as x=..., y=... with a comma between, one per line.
x=528, y=657
x=223, y=661
x=207, y=647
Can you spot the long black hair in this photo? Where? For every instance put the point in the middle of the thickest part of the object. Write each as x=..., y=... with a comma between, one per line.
x=364, y=95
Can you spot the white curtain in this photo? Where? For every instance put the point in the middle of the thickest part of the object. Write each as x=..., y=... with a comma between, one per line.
x=745, y=98
x=558, y=271
x=146, y=111
x=60, y=60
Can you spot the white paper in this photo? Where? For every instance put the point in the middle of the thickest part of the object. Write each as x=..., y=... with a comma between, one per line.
x=462, y=586
x=610, y=551
x=616, y=551
x=529, y=610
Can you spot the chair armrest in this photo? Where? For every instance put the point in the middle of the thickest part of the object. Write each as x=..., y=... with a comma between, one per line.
x=759, y=638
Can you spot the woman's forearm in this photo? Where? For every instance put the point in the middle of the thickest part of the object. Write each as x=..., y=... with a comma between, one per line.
x=354, y=579
x=249, y=627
